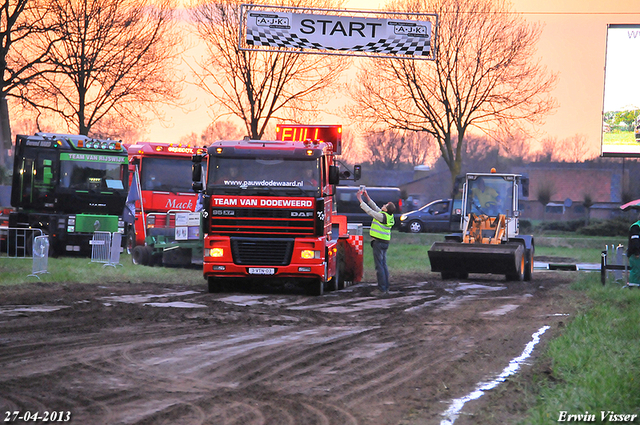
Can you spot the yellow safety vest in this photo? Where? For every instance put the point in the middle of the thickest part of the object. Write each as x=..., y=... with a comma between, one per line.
x=382, y=231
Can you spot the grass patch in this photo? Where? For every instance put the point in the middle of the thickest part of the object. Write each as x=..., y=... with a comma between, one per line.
x=15, y=271
x=619, y=138
x=595, y=363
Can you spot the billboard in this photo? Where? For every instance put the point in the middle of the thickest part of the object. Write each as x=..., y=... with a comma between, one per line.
x=338, y=32
x=621, y=107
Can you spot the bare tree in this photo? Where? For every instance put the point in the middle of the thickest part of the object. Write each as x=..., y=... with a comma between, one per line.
x=576, y=149
x=190, y=139
x=514, y=143
x=113, y=128
x=420, y=148
x=221, y=130
x=116, y=58
x=385, y=148
x=351, y=147
x=548, y=150
x=258, y=86
x=484, y=76
x=20, y=21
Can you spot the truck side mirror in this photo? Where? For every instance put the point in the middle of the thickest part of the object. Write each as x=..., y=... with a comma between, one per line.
x=334, y=174
x=133, y=162
x=196, y=173
x=357, y=172
x=525, y=186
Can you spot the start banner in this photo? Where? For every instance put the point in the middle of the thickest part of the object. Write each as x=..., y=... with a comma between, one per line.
x=336, y=32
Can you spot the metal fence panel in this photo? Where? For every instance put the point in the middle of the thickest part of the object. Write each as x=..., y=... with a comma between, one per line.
x=100, y=247
x=114, y=255
x=40, y=256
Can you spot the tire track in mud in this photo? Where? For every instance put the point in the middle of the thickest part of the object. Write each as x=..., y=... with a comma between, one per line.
x=281, y=360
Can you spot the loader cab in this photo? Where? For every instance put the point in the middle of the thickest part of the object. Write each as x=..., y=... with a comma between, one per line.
x=492, y=195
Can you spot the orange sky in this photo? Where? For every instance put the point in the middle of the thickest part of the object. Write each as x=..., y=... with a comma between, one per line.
x=572, y=44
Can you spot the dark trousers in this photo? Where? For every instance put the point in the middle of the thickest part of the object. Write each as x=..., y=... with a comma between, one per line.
x=380, y=259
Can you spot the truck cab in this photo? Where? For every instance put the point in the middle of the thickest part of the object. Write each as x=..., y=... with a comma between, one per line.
x=69, y=186
x=269, y=212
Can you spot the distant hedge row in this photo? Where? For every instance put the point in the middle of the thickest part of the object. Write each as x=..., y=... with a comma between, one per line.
x=614, y=227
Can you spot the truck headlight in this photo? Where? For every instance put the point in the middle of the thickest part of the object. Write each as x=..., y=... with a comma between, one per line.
x=215, y=252
x=309, y=254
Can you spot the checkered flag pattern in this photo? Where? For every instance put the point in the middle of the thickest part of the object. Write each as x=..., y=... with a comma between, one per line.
x=357, y=242
x=396, y=45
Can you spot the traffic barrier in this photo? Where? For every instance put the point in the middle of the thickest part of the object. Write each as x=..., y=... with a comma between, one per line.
x=100, y=247
x=40, y=256
x=114, y=253
x=105, y=248
x=614, y=259
x=17, y=242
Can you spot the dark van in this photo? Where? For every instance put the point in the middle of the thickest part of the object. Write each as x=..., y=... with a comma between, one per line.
x=347, y=203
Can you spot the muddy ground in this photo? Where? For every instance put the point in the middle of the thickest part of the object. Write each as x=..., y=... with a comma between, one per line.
x=175, y=354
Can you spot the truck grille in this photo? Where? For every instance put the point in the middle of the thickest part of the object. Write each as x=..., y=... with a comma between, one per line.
x=252, y=221
x=268, y=252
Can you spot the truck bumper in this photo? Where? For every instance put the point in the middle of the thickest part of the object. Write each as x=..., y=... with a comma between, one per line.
x=308, y=258
x=223, y=270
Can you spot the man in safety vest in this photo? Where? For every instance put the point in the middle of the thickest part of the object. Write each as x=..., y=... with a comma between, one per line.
x=380, y=233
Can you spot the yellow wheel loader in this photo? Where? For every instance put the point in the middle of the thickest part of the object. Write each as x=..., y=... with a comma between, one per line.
x=489, y=241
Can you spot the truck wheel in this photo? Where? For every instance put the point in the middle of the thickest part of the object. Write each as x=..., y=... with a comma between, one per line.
x=415, y=226
x=213, y=284
x=332, y=284
x=341, y=265
x=140, y=255
x=316, y=287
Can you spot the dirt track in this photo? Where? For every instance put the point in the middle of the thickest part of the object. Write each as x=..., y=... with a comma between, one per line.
x=159, y=354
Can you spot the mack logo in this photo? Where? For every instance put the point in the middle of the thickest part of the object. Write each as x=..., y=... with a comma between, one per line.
x=301, y=213
x=175, y=205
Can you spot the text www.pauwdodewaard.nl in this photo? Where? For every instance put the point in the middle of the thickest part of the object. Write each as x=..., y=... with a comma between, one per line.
x=262, y=183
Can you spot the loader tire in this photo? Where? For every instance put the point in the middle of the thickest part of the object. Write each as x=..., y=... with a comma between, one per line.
x=519, y=274
x=528, y=271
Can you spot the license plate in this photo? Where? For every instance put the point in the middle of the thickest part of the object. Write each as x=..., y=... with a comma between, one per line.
x=261, y=270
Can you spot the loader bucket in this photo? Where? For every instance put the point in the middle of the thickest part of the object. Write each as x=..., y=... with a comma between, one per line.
x=459, y=259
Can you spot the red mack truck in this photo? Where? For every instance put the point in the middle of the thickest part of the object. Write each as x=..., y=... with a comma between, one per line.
x=269, y=211
x=167, y=230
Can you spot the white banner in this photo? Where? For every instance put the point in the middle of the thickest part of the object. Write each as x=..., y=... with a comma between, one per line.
x=621, y=92
x=393, y=37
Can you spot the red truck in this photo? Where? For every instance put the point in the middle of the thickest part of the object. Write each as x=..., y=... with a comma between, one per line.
x=269, y=211
x=167, y=229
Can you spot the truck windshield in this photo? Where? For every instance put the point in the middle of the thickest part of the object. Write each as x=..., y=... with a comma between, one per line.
x=90, y=175
x=166, y=174
x=275, y=174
